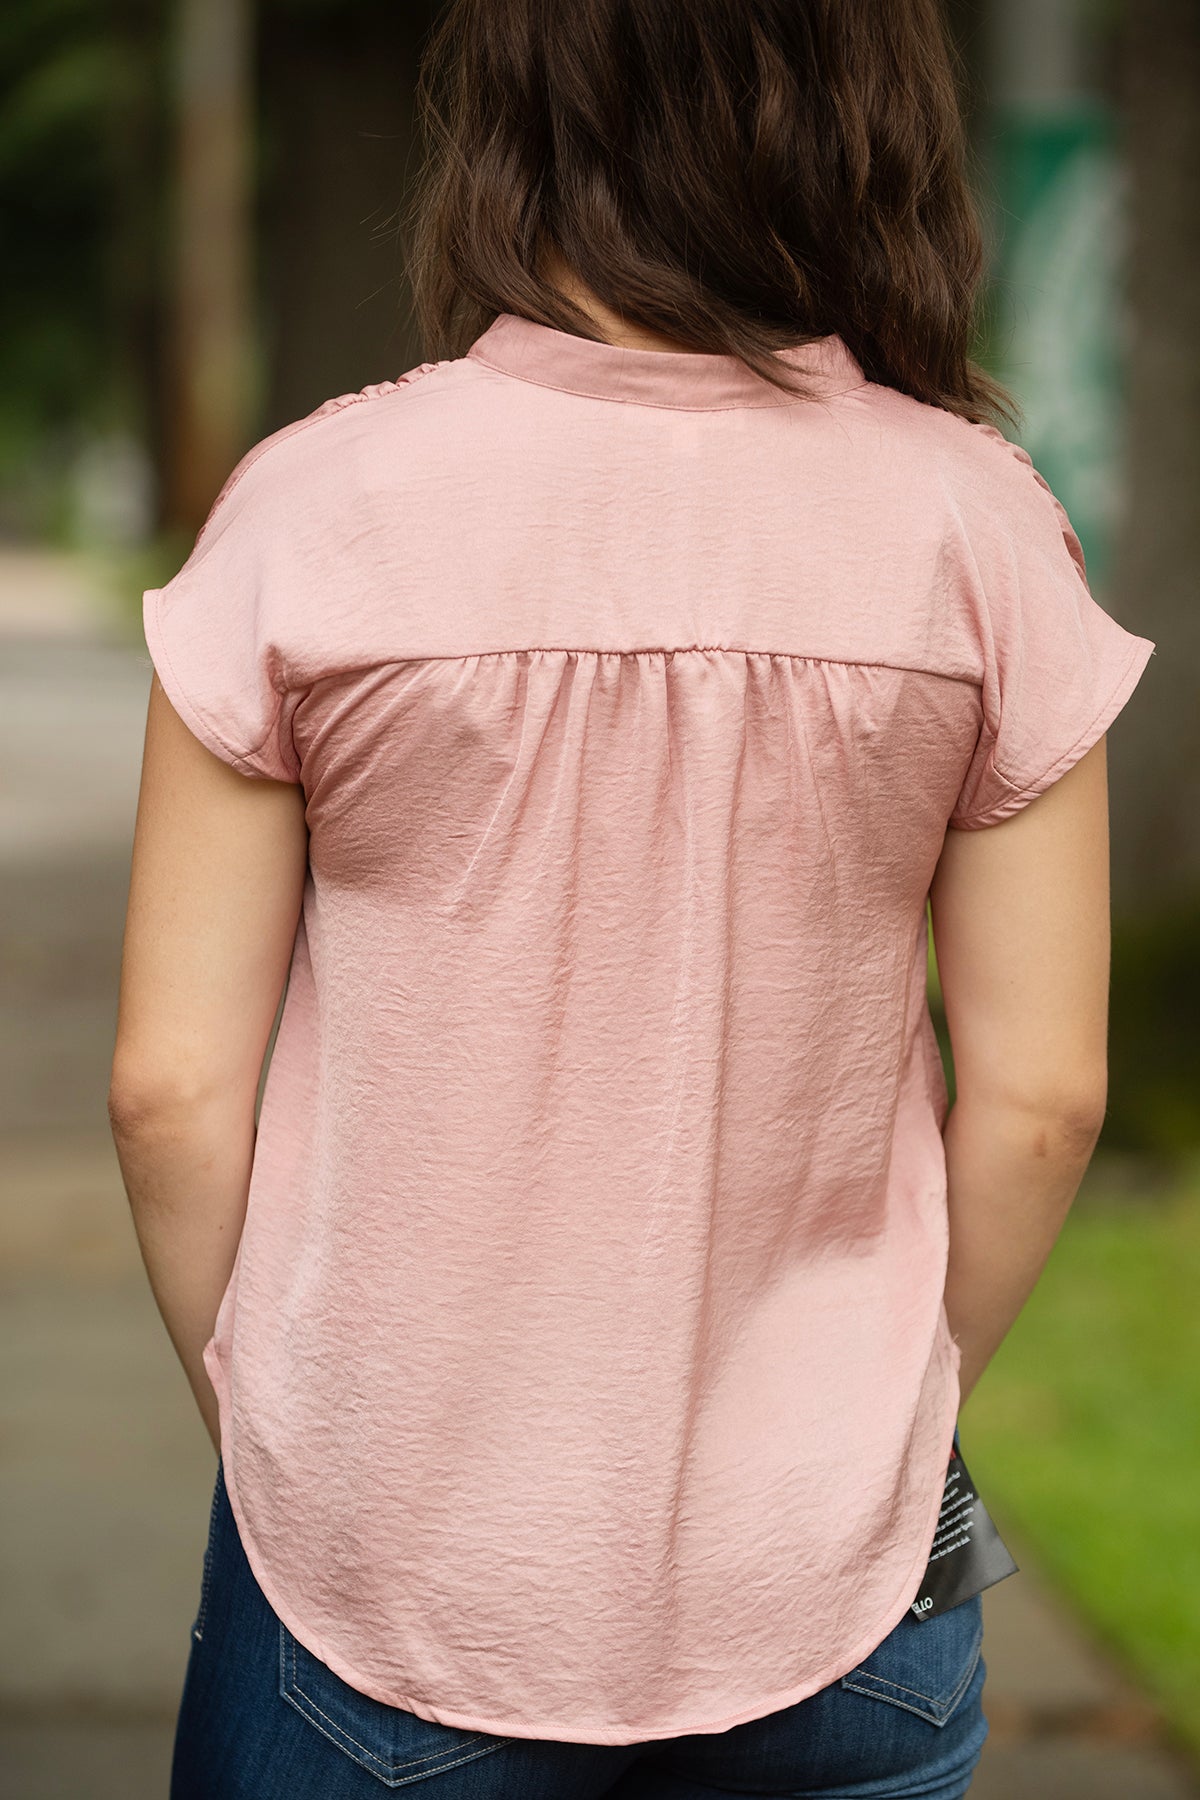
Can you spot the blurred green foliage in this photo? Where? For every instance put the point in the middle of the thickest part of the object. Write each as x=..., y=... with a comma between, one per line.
x=1084, y=1434
x=1154, y=1047
x=80, y=87
x=84, y=147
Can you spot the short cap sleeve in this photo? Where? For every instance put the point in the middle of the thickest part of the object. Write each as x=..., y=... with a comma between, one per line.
x=1057, y=668
x=209, y=631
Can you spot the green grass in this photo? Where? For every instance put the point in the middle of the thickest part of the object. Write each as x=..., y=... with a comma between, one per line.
x=1085, y=1432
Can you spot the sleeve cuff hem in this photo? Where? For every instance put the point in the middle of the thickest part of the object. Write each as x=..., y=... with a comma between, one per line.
x=197, y=724
x=1131, y=674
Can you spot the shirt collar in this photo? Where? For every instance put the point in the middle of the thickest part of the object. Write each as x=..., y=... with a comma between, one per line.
x=693, y=380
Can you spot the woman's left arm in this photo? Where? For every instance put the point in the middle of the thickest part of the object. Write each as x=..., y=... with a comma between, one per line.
x=217, y=877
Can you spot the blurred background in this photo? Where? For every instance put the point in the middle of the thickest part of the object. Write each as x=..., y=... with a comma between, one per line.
x=199, y=210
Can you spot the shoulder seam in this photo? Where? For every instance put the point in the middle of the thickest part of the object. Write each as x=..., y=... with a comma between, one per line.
x=1032, y=476
x=381, y=390
x=1006, y=447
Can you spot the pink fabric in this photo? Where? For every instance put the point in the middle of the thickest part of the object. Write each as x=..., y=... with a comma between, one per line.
x=584, y=1372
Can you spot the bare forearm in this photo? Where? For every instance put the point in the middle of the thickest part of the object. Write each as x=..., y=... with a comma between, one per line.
x=186, y=1170
x=1012, y=1177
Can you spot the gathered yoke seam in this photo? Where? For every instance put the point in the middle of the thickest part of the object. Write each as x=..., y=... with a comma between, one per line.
x=850, y=662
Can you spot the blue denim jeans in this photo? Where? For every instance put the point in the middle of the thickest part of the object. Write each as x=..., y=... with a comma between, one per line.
x=261, y=1718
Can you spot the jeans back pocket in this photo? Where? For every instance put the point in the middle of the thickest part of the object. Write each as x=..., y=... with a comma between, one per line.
x=395, y=1746
x=925, y=1665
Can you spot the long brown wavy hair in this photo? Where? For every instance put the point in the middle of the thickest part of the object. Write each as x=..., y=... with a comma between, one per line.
x=737, y=175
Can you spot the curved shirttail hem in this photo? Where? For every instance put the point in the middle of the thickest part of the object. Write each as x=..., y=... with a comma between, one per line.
x=597, y=1734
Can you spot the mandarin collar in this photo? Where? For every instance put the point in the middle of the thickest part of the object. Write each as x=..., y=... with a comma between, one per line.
x=692, y=380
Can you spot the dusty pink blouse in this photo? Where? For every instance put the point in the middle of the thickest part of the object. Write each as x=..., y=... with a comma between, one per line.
x=584, y=1372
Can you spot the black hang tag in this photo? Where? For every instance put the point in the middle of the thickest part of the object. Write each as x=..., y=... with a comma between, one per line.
x=968, y=1552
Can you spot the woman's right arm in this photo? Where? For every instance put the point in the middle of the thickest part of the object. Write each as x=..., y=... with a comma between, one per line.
x=1020, y=916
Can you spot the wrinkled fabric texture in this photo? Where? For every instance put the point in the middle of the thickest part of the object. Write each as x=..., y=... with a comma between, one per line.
x=260, y=1715
x=583, y=1372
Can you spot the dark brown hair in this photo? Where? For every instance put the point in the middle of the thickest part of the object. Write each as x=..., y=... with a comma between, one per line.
x=738, y=175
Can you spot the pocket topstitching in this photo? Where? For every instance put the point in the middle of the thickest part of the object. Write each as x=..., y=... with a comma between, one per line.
x=925, y=1665
x=395, y=1746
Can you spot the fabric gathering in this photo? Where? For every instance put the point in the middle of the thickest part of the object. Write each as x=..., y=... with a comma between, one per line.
x=584, y=1371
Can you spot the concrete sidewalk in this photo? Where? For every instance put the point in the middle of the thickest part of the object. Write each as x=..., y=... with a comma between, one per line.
x=106, y=1472
x=1064, y=1723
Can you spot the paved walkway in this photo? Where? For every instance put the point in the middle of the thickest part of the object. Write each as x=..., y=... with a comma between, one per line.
x=105, y=1470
